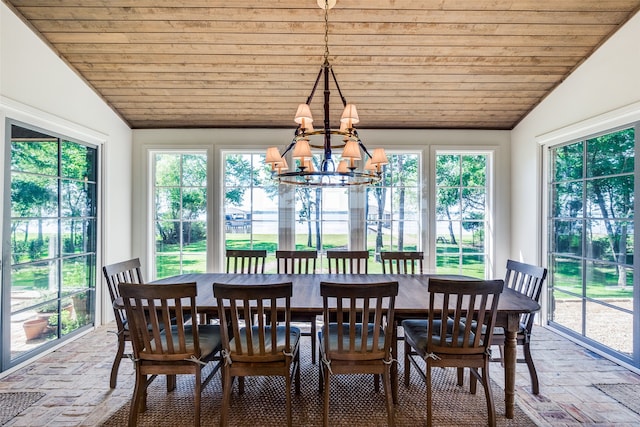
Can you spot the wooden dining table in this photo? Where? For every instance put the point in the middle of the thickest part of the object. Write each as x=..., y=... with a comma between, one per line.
x=411, y=302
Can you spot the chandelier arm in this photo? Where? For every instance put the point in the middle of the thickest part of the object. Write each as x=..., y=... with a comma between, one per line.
x=290, y=145
x=361, y=144
x=344, y=101
x=315, y=85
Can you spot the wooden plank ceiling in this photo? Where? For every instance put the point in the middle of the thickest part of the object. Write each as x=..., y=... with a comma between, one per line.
x=405, y=63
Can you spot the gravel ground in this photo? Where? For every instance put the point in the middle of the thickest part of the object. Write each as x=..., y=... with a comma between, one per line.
x=612, y=327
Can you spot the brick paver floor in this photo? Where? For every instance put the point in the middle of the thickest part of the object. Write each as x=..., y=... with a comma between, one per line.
x=75, y=379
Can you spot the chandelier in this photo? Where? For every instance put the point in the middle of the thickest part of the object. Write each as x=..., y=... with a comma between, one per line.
x=324, y=172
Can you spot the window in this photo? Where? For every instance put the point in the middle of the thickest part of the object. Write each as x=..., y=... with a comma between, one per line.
x=180, y=212
x=250, y=205
x=49, y=254
x=322, y=220
x=591, y=241
x=393, y=209
x=461, y=213
x=259, y=214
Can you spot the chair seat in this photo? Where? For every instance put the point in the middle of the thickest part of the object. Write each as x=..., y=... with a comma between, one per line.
x=417, y=331
x=209, y=338
x=498, y=330
x=294, y=336
x=333, y=336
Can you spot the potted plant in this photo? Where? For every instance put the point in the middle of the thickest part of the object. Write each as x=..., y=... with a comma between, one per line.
x=33, y=328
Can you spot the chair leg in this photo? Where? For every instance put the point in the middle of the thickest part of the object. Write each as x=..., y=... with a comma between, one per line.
x=116, y=361
x=196, y=398
x=429, y=394
x=313, y=341
x=535, y=387
x=171, y=383
x=137, y=401
x=288, y=398
x=473, y=380
x=407, y=363
x=386, y=378
x=460, y=377
x=321, y=376
x=491, y=409
x=376, y=383
x=297, y=371
x=325, y=406
x=226, y=396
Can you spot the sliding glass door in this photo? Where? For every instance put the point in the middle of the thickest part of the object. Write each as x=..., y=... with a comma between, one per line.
x=592, y=269
x=49, y=245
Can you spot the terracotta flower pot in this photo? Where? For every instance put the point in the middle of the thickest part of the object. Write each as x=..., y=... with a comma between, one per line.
x=34, y=328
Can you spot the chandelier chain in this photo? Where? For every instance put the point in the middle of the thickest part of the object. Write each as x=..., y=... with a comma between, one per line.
x=326, y=31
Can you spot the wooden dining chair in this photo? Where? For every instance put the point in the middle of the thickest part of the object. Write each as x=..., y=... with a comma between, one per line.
x=527, y=279
x=357, y=334
x=246, y=261
x=300, y=262
x=348, y=262
x=254, y=340
x=184, y=348
x=403, y=262
x=122, y=272
x=462, y=341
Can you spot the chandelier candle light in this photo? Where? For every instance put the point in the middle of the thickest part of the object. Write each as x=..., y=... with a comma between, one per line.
x=327, y=175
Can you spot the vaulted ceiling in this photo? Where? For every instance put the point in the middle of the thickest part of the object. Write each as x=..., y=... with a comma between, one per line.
x=452, y=64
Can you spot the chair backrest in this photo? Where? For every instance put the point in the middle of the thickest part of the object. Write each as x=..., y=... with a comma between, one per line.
x=150, y=308
x=246, y=261
x=528, y=280
x=471, y=306
x=407, y=262
x=362, y=318
x=296, y=262
x=251, y=320
x=122, y=272
x=348, y=262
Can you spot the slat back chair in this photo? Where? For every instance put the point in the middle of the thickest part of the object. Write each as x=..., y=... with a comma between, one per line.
x=246, y=261
x=183, y=348
x=406, y=262
x=254, y=340
x=300, y=262
x=357, y=334
x=122, y=272
x=527, y=279
x=296, y=262
x=460, y=339
x=348, y=262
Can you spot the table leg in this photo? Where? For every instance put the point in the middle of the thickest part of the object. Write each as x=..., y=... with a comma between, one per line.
x=509, y=372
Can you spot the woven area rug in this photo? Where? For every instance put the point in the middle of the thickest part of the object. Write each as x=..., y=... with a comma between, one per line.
x=627, y=394
x=12, y=403
x=353, y=402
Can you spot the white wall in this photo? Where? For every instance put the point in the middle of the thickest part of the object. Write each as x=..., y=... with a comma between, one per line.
x=38, y=88
x=603, y=92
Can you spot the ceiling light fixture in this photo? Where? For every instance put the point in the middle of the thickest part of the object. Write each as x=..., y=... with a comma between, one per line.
x=309, y=170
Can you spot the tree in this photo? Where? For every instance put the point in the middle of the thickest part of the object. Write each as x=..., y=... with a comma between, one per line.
x=611, y=157
x=398, y=176
x=461, y=189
